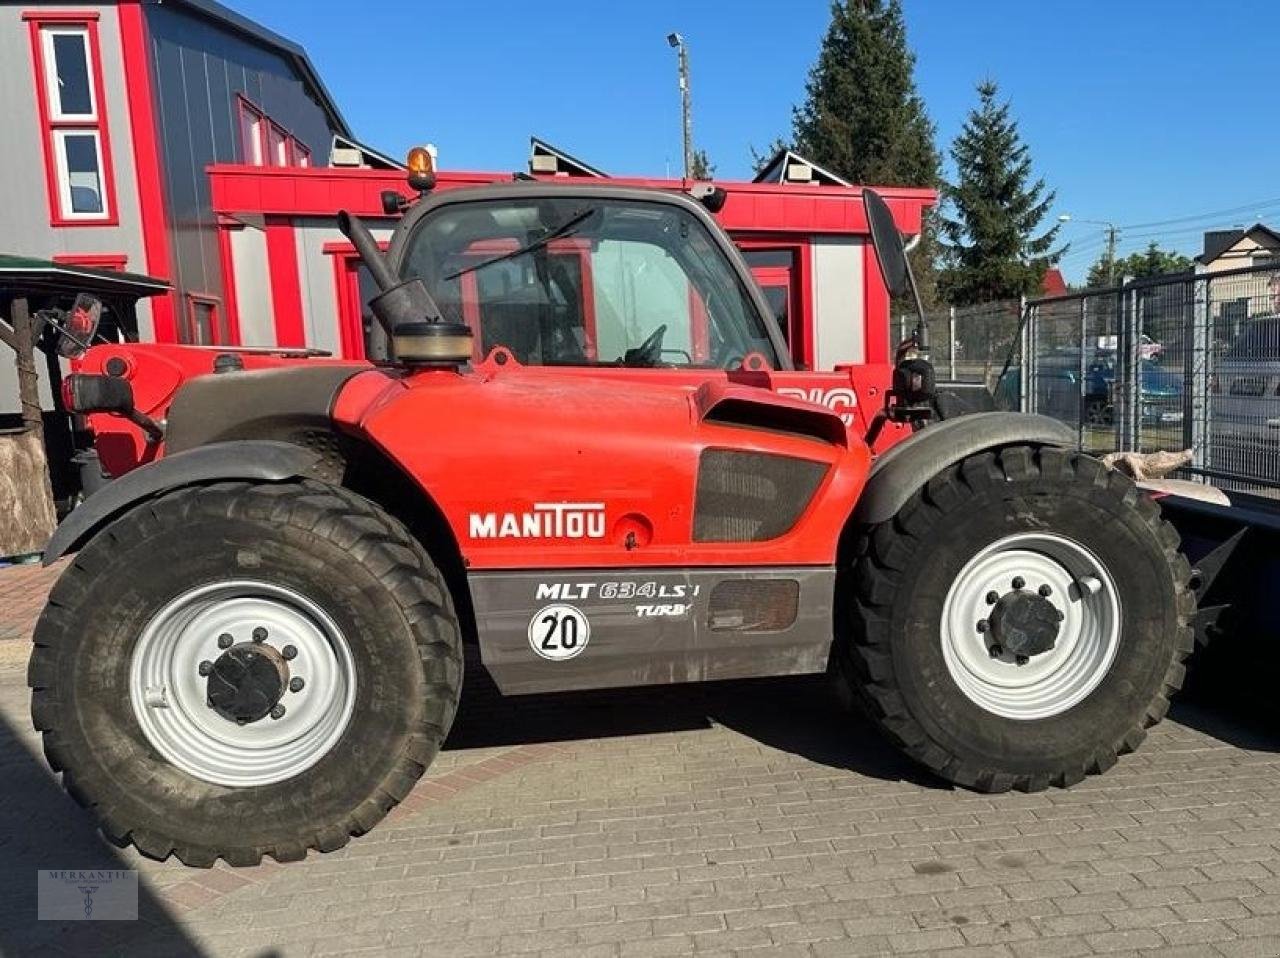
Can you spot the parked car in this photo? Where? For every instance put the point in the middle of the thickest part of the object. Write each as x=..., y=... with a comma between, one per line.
x=1244, y=433
x=1159, y=393
x=1059, y=394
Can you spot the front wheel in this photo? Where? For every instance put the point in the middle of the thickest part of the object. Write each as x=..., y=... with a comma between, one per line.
x=239, y=670
x=1021, y=621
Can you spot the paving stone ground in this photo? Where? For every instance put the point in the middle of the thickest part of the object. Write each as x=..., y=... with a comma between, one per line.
x=744, y=818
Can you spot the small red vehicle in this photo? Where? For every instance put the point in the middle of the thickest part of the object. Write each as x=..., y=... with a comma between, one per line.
x=258, y=646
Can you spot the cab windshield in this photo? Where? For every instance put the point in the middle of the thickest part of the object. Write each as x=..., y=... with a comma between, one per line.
x=584, y=281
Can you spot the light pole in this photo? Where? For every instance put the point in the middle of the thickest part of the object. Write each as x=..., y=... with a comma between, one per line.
x=676, y=42
x=1112, y=231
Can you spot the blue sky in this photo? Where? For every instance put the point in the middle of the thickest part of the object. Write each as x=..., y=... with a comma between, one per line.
x=1137, y=111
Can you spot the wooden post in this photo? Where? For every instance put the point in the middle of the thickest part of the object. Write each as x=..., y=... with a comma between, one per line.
x=28, y=381
x=27, y=516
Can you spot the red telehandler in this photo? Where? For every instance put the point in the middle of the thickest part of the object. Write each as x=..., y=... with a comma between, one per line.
x=257, y=648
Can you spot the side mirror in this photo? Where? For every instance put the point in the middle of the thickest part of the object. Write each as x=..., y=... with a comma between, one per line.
x=80, y=326
x=890, y=252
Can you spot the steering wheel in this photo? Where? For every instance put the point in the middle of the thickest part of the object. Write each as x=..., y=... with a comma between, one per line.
x=648, y=353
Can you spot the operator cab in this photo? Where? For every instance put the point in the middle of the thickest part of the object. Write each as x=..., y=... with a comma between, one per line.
x=598, y=276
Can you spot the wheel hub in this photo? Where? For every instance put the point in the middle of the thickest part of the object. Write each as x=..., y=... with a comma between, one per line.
x=247, y=682
x=242, y=682
x=1025, y=624
x=1030, y=625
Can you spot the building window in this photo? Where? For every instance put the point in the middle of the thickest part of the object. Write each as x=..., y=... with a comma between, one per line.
x=264, y=142
x=65, y=54
x=251, y=131
x=204, y=321
x=277, y=146
x=360, y=336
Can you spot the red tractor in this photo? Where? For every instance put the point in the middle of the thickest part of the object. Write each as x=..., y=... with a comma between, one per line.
x=258, y=646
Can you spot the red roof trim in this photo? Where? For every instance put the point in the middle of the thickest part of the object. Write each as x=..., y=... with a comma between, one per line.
x=764, y=207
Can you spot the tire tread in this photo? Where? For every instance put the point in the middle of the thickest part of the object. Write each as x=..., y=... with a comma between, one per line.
x=885, y=550
x=359, y=527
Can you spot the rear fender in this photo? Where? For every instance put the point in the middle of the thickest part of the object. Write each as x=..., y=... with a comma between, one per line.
x=904, y=469
x=256, y=460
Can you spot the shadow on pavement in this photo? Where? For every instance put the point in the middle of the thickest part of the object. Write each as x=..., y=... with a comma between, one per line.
x=42, y=828
x=800, y=715
x=1230, y=690
x=1217, y=712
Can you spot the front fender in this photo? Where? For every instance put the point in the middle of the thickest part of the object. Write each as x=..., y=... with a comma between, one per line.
x=906, y=467
x=255, y=459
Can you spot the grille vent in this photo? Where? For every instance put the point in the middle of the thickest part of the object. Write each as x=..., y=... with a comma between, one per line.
x=751, y=496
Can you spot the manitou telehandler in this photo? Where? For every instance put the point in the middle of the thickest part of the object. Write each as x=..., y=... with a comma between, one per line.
x=257, y=648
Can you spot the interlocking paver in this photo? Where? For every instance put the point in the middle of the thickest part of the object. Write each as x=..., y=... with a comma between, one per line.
x=732, y=819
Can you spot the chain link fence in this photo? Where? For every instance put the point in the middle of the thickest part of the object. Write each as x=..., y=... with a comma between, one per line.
x=1190, y=361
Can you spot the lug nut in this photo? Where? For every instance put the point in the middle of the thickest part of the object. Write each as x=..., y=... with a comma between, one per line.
x=296, y=684
x=1019, y=582
x=1022, y=660
x=259, y=634
x=206, y=668
x=277, y=712
x=993, y=597
x=983, y=625
x=289, y=652
x=1045, y=591
x=995, y=651
x=225, y=640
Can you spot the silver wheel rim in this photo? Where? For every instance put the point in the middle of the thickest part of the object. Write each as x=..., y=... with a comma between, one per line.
x=1082, y=591
x=170, y=699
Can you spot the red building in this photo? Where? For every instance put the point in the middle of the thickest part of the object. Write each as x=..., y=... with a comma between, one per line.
x=184, y=141
x=292, y=280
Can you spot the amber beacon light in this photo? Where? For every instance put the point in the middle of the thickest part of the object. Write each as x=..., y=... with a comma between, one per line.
x=422, y=169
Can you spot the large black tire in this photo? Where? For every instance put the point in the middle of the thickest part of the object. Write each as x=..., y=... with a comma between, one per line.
x=334, y=547
x=905, y=567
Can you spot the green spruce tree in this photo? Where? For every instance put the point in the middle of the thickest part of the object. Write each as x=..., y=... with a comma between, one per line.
x=993, y=248
x=862, y=117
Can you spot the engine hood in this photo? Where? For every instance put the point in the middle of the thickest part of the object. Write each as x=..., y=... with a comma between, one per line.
x=493, y=449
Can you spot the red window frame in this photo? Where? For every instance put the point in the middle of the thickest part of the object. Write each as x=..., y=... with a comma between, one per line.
x=246, y=111
x=215, y=327
x=87, y=20
x=276, y=140
x=274, y=145
x=346, y=287
x=798, y=277
x=566, y=247
x=115, y=261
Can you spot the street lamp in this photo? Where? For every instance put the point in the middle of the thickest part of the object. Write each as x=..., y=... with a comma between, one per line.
x=1112, y=231
x=676, y=42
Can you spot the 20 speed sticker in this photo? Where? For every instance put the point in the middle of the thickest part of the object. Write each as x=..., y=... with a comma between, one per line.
x=559, y=632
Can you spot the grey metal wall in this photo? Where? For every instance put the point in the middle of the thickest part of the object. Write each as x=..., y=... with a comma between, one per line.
x=198, y=68
x=24, y=196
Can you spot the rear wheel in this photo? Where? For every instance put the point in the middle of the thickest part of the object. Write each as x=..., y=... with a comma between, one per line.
x=1021, y=621
x=239, y=670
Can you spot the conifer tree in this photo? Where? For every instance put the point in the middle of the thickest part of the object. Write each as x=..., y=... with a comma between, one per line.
x=993, y=245
x=862, y=117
